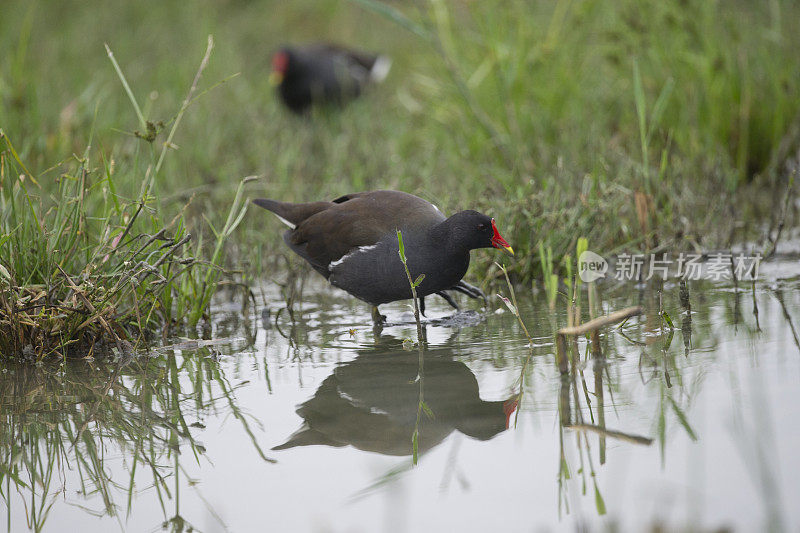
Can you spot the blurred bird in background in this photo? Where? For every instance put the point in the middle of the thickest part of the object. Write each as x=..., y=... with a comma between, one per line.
x=324, y=74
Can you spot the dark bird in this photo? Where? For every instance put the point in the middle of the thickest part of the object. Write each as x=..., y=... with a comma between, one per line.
x=324, y=73
x=371, y=404
x=352, y=241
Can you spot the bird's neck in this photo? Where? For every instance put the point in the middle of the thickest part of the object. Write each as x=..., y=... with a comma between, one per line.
x=446, y=239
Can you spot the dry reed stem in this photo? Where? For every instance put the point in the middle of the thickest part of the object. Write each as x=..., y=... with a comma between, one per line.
x=627, y=437
x=591, y=326
x=599, y=322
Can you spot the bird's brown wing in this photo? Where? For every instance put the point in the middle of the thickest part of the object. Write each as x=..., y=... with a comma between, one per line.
x=360, y=219
x=346, y=197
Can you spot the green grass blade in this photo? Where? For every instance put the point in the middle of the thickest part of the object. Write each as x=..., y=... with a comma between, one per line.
x=127, y=87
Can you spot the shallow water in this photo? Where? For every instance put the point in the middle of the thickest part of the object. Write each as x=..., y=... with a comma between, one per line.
x=696, y=428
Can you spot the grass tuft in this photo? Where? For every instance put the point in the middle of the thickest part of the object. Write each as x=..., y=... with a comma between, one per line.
x=83, y=269
x=559, y=119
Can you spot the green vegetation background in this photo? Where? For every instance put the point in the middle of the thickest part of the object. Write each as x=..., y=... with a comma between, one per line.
x=635, y=124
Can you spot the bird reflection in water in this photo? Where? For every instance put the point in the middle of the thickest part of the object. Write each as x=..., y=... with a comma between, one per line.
x=371, y=404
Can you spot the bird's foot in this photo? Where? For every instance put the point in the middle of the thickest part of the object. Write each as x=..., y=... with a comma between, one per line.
x=470, y=290
x=448, y=299
x=377, y=317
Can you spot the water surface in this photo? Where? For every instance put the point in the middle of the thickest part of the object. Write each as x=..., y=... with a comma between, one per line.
x=307, y=424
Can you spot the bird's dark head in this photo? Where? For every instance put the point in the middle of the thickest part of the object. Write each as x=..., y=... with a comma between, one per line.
x=476, y=230
x=281, y=61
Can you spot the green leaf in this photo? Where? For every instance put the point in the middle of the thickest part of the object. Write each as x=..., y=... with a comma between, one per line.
x=415, y=447
x=682, y=419
x=128, y=91
x=5, y=471
x=598, y=501
x=402, y=248
x=659, y=106
x=232, y=226
x=568, y=265
x=639, y=99
x=419, y=280
x=582, y=246
x=552, y=288
x=542, y=257
x=427, y=410
x=667, y=319
x=668, y=342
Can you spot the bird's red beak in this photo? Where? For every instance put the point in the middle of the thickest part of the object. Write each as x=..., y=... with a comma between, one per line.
x=499, y=242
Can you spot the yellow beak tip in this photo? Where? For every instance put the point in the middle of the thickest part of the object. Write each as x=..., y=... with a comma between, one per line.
x=509, y=250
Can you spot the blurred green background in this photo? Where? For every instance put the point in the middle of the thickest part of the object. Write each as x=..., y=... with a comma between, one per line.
x=553, y=117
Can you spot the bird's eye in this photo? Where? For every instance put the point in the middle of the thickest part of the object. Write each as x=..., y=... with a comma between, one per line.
x=481, y=227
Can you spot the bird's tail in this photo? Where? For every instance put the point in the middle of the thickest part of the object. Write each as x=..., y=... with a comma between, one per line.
x=306, y=436
x=292, y=214
x=380, y=69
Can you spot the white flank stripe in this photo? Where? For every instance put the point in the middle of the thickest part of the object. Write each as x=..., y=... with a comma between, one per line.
x=380, y=69
x=355, y=403
x=348, y=254
x=338, y=261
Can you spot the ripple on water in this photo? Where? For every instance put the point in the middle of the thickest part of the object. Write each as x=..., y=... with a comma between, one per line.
x=307, y=423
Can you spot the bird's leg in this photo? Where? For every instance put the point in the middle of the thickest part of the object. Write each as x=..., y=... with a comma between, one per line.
x=377, y=317
x=422, y=305
x=470, y=290
x=448, y=299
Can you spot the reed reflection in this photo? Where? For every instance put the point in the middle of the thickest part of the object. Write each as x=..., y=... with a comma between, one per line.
x=104, y=433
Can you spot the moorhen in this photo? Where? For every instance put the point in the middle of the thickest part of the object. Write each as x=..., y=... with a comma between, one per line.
x=323, y=73
x=352, y=241
x=371, y=403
